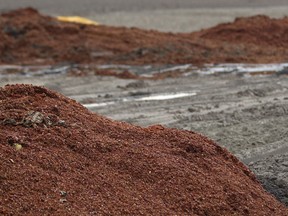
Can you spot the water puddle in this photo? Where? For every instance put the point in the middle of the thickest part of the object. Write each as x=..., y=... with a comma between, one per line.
x=144, y=71
x=94, y=105
x=166, y=96
x=155, y=97
x=30, y=71
x=242, y=68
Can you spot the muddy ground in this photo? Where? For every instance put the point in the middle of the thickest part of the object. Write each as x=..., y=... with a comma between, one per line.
x=243, y=113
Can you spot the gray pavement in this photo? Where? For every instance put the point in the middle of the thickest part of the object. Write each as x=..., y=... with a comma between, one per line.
x=163, y=15
x=183, y=20
x=84, y=7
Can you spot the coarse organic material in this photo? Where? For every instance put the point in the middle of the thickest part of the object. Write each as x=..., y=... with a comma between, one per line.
x=27, y=37
x=74, y=162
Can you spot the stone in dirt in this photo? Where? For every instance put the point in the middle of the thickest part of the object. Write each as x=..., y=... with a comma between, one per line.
x=93, y=165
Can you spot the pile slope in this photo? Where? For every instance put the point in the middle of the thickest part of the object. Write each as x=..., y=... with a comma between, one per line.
x=27, y=37
x=258, y=30
x=59, y=158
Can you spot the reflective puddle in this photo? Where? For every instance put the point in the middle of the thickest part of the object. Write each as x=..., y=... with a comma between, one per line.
x=144, y=71
x=155, y=97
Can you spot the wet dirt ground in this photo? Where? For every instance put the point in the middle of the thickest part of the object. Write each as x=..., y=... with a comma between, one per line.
x=247, y=114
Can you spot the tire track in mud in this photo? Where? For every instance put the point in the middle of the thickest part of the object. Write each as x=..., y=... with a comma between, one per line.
x=282, y=150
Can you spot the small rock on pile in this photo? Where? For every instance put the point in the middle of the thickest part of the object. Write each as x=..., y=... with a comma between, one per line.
x=58, y=158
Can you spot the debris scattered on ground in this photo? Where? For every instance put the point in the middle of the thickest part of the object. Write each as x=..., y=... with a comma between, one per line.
x=32, y=119
x=98, y=166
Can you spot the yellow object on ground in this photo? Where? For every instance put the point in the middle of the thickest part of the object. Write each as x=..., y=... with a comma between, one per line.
x=18, y=146
x=77, y=19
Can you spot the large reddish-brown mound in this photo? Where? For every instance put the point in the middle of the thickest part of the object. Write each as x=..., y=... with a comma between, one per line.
x=257, y=30
x=74, y=162
x=29, y=37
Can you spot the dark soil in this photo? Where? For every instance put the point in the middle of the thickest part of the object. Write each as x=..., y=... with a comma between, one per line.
x=27, y=37
x=74, y=162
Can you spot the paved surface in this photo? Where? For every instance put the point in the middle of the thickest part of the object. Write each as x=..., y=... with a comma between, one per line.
x=164, y=15
x=183, y=20
x=87, y=6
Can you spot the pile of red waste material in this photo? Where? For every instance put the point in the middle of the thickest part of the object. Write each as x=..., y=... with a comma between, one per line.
x=58, y=158
x=27, y=37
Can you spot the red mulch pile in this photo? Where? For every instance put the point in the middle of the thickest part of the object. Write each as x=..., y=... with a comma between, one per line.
x=27, y=37
x=74, y=162
x=257, y=30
